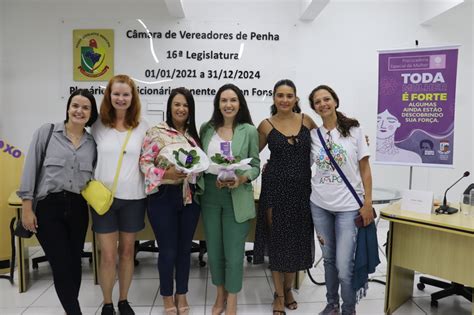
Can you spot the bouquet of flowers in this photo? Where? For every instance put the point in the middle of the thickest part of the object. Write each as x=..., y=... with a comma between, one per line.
x=187, y=159
x=225, y=166
x=225, y=160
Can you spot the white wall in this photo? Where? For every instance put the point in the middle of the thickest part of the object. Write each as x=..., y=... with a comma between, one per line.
x=460, y=32
x=432, y=8
x=34, y=38
x=471, y=69
x=339, y=48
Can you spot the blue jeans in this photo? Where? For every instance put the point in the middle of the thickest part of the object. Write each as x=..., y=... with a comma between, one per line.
x=337, y=236
x=173, y=224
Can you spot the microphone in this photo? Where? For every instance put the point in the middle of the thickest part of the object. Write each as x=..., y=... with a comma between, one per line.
x=444, y=209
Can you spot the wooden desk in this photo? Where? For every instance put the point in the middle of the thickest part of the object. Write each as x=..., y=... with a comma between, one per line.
x=438, y=245
x=22, y=244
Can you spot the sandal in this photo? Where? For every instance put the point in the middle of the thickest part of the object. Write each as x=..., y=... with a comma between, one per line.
x=171, y=310
x=293, y=305
x=217, y=311
x=183, y=310
x=276, y=296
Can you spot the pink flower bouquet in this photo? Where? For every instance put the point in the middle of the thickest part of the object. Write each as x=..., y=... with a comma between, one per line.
x=225, y=166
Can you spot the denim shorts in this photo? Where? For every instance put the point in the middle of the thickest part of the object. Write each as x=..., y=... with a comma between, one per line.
x=124, y=216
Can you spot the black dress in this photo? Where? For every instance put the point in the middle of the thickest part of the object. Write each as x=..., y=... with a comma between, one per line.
x=286, y=189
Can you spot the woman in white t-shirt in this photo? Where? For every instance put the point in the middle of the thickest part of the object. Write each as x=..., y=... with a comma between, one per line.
x=119, y=112
x=333, y=206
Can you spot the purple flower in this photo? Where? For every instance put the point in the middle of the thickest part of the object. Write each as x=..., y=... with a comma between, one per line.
x=189, y=159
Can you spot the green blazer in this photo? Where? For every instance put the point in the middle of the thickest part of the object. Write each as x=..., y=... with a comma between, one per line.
x=245, y=145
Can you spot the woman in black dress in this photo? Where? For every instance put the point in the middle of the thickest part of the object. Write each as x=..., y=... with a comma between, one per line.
x=284, y=223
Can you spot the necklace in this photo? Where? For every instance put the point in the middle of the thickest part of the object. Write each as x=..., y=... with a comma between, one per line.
x=120, y=136
x=74, y=137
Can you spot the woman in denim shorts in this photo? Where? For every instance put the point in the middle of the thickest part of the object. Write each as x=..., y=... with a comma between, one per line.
x=119, y=113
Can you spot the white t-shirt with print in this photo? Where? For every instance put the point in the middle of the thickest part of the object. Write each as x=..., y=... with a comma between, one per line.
x=328, y=190
x=109, y=143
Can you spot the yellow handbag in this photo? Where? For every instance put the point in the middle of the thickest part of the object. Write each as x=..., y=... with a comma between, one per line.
x=97, y=195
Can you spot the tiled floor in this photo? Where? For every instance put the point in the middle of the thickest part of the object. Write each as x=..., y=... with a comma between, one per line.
x=255, y=297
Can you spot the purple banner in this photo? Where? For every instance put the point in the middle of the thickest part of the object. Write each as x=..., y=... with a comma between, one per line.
x=415, y=117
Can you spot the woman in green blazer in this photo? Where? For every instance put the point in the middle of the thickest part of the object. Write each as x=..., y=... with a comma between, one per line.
x=227, y=206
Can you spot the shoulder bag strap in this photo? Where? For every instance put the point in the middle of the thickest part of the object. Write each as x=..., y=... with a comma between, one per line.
x=344, y=178
x=43, y=156
x=119, y=165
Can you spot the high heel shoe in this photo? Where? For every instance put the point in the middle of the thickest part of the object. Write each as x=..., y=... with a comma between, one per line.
x=231, y=310
x=171, y=310
x=293, y=305
x=275, y=297
x=183, y=310
x=217, y=310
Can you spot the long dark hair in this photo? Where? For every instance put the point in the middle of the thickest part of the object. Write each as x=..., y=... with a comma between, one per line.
x=344, y=123
x=243, y=115
x=296, y=109
x=191, y=122
x=87, y=94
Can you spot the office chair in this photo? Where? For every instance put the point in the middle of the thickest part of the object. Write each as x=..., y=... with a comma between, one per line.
x=249, y=255
x=448, y=289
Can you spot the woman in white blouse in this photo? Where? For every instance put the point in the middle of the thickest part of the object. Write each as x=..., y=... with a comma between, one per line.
x=119, y=113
